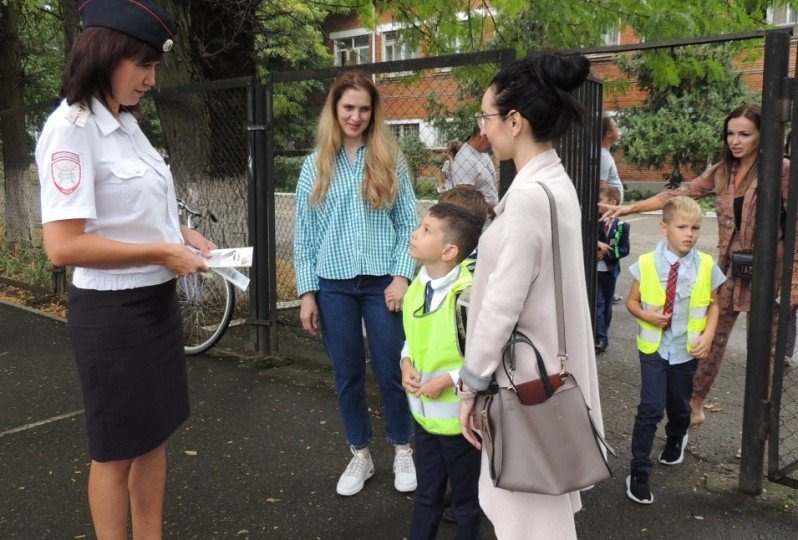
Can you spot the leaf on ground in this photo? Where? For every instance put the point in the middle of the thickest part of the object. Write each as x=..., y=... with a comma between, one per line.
x=190, y=452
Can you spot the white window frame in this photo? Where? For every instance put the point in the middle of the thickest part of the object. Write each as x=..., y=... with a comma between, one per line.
x=404, y=51
x=339, y=38
x=612, y=36
x=402, y=124
x=782, y=16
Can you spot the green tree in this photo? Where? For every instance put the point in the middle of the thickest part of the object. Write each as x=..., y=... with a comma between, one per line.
x=679, y=124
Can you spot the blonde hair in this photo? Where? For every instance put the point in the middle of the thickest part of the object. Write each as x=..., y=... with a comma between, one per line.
x=380, y=182
x=683, y=205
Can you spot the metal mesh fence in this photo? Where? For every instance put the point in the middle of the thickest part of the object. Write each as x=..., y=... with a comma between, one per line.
x=201, y=129
x=432, y=114
x=788, y=425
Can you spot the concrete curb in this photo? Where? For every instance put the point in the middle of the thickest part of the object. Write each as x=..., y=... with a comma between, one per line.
x=34, y=311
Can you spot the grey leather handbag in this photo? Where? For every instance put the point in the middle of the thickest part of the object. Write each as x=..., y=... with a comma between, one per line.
x=539, y=436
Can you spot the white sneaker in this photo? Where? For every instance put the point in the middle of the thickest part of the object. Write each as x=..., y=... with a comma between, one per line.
x=360, y=469
x=404, y=471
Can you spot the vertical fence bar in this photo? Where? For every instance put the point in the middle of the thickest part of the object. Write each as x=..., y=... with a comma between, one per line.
x=590, y=155
x=756, y=404
x=266, y=204
x=786, y=290
x=252, y=209
x=261, y=294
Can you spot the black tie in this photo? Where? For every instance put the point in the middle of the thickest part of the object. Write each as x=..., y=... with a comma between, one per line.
x=428, y=297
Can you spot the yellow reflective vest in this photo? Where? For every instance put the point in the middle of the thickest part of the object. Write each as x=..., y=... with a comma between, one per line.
x=435, y=350
x=652, y=294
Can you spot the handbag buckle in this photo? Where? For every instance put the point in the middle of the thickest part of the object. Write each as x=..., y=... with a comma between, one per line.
x=563, y=358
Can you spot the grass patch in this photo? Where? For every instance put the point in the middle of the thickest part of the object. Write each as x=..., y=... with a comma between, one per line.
x=25, y=261
x=286, y=280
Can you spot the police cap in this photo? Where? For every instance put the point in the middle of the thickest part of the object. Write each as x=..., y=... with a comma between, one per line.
x=141, y=19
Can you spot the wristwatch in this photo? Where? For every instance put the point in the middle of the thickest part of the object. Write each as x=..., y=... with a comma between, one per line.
x=464, y=391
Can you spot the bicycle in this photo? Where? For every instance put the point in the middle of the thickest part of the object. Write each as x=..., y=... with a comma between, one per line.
x=206, y=299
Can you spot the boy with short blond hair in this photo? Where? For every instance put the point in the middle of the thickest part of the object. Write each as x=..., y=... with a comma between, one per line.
x=673, y=299
x=430, y=363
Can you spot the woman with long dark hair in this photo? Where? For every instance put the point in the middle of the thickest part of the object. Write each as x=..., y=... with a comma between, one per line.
x=527, y=107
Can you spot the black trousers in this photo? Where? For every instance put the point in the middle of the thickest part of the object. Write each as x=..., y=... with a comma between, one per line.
x=439, y=458
x=664, y=388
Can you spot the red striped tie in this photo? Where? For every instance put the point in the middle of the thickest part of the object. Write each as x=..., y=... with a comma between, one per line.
x=670, y=291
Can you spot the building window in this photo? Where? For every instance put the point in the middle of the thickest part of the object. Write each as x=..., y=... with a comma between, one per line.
x=353, y=51
x=401, y=131
x=393, y=49
x=612, y=36
x=782, y=16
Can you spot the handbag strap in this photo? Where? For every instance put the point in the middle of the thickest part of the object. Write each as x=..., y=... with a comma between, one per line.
x=562, y=353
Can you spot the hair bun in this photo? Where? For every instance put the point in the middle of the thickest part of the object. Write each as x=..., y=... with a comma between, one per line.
x=565, y=72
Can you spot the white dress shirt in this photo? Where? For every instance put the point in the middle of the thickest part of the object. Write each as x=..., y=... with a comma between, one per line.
x=95, y=167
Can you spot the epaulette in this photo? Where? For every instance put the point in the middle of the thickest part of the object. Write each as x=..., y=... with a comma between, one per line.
x=78, y=113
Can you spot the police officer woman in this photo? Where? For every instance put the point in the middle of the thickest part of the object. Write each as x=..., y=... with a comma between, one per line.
x=109, y=209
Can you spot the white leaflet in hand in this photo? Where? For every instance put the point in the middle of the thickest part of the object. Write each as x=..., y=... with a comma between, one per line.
x=229, y=258
x=233, y=276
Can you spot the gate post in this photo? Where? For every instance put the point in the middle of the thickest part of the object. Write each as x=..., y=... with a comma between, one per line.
x=263, y=290
x=757, y=401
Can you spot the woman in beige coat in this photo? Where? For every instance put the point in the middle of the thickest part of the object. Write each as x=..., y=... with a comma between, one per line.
x=526, y=108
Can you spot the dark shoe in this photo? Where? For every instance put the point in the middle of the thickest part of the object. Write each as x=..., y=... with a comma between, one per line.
x=637, y=489
x=601, y=345
x=673, y=453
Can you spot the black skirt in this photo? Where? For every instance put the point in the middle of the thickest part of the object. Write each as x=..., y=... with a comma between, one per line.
x=129, y=352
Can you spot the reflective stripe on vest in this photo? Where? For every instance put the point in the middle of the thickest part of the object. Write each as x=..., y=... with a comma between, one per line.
x=652, y=294
x=435, y=351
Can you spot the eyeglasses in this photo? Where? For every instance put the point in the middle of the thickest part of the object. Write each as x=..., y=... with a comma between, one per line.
x=482, y=119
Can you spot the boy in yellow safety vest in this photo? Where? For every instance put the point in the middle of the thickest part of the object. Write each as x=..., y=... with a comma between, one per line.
x=431, y=359
x=673, y=300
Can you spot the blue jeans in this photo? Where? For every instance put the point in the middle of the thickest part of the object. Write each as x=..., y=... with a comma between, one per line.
x=605, y=290
x=664, y=387
x=342, y=304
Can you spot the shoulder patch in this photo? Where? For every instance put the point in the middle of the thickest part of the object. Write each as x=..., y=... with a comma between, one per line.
x=66, y=171
x=78, y=113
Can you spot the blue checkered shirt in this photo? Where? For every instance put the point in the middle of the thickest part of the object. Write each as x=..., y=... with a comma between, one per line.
x=344, y=237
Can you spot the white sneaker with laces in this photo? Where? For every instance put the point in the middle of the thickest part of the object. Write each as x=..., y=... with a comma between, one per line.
x=404, y=471
x=360, y=469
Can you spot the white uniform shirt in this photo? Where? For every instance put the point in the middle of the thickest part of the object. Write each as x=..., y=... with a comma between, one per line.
x=95, y=167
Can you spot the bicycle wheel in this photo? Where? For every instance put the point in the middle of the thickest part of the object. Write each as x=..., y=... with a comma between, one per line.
x=206, y=303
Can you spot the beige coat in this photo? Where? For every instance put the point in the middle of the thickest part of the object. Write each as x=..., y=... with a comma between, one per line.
x=514, y=282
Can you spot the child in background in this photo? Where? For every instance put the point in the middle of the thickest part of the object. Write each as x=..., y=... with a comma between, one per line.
x=613, y=245
x=673, y=300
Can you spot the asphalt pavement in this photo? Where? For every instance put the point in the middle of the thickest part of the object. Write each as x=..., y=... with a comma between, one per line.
x=260, y=455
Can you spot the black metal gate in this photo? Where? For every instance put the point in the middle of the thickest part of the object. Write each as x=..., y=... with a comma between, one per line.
x=268, y=217
x=779, y=92
x=580, y=151
x=771, y=391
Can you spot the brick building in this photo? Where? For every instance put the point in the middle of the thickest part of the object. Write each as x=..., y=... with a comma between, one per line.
x=352, y=43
